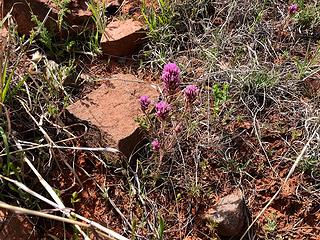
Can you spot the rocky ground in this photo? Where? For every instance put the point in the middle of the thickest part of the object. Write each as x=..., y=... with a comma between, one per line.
x=245, y=164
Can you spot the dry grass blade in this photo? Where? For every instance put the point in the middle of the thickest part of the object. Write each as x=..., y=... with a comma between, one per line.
x=37, y=146
x=101, y=228
x=33, y=193
x=106, y=149
x=47, y=137
x=44, y=183
x=66, y=211
x=37, y=32
x=48, y=188
x=20, y=210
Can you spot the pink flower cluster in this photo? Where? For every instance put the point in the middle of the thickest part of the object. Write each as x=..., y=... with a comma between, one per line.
x=171, y=83
x=145, y=101
x=191, y=92
x=170, y=77
x=162, y=110
x=155, y=144
x=293, y=9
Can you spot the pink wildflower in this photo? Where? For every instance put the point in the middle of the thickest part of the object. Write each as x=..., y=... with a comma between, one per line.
x=144, y=102
x=191, y=92
x=293, y=8
x=155, y=145
x=162, y=110
x=171, y=77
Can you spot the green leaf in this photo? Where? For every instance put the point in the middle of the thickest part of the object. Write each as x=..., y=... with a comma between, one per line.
x=161, y=228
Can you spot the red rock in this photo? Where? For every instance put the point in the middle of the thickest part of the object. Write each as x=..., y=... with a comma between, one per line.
x=122, y=38
x=113, y=109
x=21, y=13
x=230, y=215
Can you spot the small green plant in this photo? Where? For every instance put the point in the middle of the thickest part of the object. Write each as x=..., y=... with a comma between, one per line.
x=260, y=80
x=305, y=65
x=161, y=228
x=157, y=19
x=311, y=165
x=7, y=72
x=271, y=224
x=143, y=122
x=308, y=15
x=134, y=227
x=220, y=94
x=52, y=110
x=57, y=74
x=94, y=43
x=194, y=190
x=98, y=10
x=5, y=78
x=74, y=198
x=45, y=36
x=263, y=79
x=212, y=225
x=5, y=142
x=63, y=10
x=161, y=30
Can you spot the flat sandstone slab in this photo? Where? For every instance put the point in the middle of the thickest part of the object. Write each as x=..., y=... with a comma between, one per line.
x=113, y=107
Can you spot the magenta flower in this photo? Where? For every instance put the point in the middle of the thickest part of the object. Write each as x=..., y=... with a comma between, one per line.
x=293, y=8
x=144, y=102
x=162, y=110
x=191, y=92
x=155, y=145
x=171, y=77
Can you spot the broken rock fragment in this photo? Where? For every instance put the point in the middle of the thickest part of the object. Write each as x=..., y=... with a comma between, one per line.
x=230, y=215
x=113, y=107
x=122, y=37
x=76, y=17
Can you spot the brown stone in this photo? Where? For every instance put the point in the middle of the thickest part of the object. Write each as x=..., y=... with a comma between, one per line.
x=22, y=11
x=230, y=215
x=122, y=37
x=113, y=107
